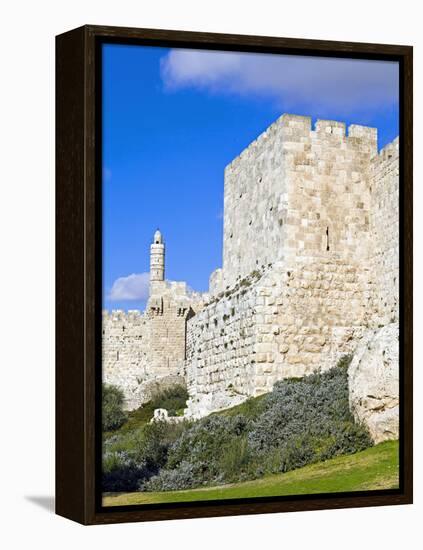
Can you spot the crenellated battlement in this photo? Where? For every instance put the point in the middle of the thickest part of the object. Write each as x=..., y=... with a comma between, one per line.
x=390, y=151
x=290, y=129
x=120, y=314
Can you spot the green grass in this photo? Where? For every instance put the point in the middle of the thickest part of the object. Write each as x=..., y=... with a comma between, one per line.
x=374, y=468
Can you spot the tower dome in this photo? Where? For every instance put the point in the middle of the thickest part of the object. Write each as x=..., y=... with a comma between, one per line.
x=157, y=237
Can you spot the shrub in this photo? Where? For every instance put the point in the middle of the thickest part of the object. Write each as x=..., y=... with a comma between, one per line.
x=309, y=420
x=234, y=457
x=133, y=457
x=251, y=408
x=207, y=452
x=185, y=477
x=121, y=472
x=113, y=415
x=298, y=423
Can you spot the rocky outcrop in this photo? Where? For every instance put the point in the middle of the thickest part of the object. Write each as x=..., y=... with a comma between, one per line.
x=373, y=378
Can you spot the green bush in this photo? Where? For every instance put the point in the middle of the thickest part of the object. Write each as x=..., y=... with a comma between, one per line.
x=300, y=422
x=132, y=457
x=113, y=415
x=234, y=457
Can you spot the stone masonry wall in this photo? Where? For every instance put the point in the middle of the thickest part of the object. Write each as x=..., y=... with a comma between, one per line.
x=278, y=323
x=125, y=342
x=221, y=340
x=140, y=349
x=297, y=191
x=167, y=338
x=308, y=264
x=145, y=351
x=384, y=225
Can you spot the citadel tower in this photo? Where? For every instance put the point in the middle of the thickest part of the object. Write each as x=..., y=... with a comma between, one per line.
x=146, y=351
x=157, y=261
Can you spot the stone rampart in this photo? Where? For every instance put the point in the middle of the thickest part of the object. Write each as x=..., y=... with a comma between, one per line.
x=384, y=227
x=308, y=264
x=297, y=191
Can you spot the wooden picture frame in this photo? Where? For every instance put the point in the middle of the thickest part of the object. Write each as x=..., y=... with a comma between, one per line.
x=78, y=275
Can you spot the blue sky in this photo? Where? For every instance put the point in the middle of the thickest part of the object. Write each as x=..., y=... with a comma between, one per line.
x=172, y=121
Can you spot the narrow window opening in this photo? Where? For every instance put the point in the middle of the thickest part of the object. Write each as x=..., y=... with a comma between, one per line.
x=327, y=238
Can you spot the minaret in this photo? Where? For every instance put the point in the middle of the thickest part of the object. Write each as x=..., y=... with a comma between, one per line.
x=157, y=258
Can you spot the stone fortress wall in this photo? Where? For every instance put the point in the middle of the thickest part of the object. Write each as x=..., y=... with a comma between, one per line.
x=310, y=265
x=125, y=347
x=296, y=191
x=384, y=228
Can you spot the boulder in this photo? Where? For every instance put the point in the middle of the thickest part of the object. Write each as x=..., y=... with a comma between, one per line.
x=373, y=380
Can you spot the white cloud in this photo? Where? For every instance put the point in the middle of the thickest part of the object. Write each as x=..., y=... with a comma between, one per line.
x=198, y=68
x=318, y=81
x=132, y=287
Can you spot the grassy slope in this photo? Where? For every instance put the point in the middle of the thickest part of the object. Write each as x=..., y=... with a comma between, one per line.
x=374, y=468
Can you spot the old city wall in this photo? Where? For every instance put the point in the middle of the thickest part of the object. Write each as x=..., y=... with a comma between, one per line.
x=326, y=292
x=220, y=343
x=313, y=245
x=294, y=191
x=277, y=323
x=126, y=343
x=384, y=226
x=146, y=352
x=140, y=350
